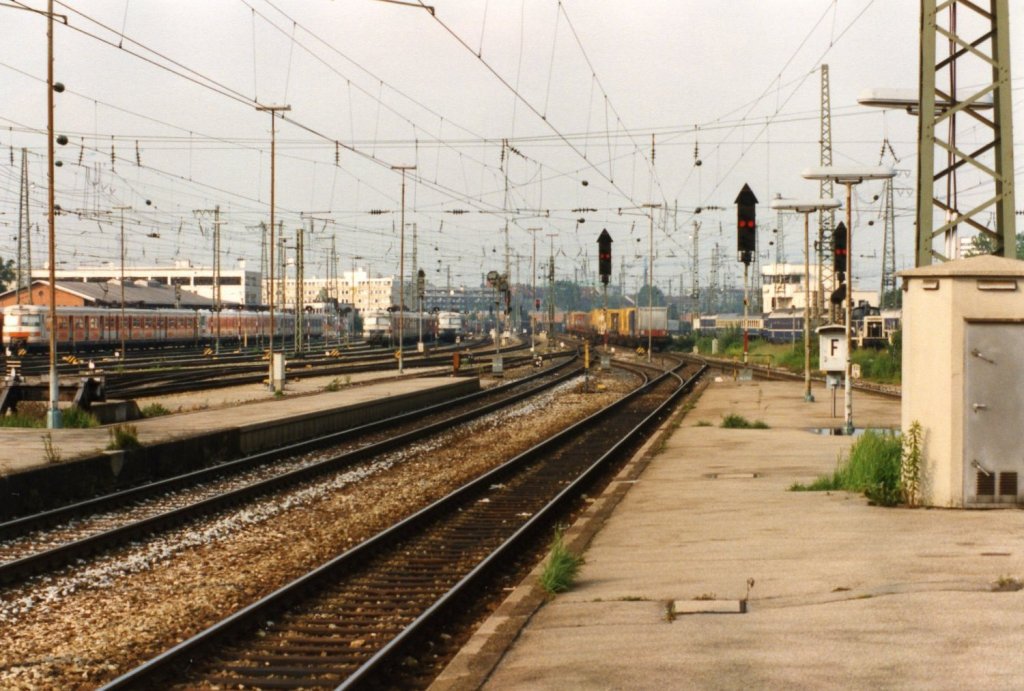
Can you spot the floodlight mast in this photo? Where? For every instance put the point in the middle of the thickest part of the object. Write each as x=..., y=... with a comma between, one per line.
x=849, y=176
x=806, y=208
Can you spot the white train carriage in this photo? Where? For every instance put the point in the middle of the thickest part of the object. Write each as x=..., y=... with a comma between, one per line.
x=450, y=326
x=381, y=327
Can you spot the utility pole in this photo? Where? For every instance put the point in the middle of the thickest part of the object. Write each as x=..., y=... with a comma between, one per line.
x=122, y=325
x=650, y=271
x=215, y=288
x=401, y=273
x=551, y=290
x=533, y=290
x=299, y=287
x=273, y=110
x=696, y=272
x=216, y=274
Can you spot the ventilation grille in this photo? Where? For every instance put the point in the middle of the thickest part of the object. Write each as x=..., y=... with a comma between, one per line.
x=1008, y=484
x=986, y=485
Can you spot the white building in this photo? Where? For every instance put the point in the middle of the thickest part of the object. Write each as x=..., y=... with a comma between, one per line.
x=356, y=288
x=238, y=286
x=783, y=287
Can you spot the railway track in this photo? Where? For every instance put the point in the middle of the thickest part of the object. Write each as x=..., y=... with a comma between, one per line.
x=730, y=364
x=358, y=620
x=45, y=541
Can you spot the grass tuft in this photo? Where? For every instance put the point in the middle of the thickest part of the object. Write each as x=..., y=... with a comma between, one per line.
x=561, y=568
x=734, y=421
x=154, y=410
x=873, y=468
x=75, y=417
x=123, y=438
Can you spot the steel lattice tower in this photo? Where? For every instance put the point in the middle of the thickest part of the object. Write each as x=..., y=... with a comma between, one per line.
x=24, y=268
x=887, y=296
x=826, y=219
x=976, y=67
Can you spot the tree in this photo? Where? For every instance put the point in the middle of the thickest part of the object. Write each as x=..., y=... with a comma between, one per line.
x=982, y=244
x=7, y=276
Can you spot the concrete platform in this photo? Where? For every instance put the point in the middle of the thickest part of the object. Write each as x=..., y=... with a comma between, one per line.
x=838, y=593
x=211, y=427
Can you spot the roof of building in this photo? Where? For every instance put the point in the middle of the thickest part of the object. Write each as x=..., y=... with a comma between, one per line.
x=987, y=265
x=136, y=294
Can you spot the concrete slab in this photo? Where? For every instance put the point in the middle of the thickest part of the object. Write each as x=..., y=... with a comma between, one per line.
x=844, y=594
x=194, y=413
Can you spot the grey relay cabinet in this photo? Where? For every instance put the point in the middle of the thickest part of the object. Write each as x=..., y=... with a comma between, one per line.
x=963, y=379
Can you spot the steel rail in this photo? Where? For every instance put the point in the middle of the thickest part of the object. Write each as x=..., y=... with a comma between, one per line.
x=63, y=554
x=273, y=602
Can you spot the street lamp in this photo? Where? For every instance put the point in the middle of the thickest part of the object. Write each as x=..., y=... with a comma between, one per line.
x=849, y=176
x=650, y=280
x=806, y=208
x=401, y=274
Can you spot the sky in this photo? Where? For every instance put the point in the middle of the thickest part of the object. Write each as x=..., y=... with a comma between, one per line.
x=535, y=116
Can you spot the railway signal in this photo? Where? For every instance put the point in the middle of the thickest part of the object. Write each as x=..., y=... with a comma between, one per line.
x=604, y=256
x=746, y=247
x=746, y=224
x=839, y=251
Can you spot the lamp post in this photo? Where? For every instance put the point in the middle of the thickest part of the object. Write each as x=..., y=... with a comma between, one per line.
x=401, y=274
x=273, y=110
x=650, y=280
x=806, y=208
x=848, y=176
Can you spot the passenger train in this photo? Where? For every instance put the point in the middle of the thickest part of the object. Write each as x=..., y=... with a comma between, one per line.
x=450, y=327
x=85, y=328
x=872, y=328
x=381, y=327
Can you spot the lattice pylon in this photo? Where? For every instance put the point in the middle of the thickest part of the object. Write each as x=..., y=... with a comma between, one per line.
x=976, y=67
x=826, y=219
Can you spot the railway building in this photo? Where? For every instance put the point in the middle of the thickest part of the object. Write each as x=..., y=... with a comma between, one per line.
x=239, y=287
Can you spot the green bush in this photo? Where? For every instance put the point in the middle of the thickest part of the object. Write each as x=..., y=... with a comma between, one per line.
x=873, y=468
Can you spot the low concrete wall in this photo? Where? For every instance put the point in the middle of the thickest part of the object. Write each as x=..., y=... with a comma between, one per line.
x=54, y=485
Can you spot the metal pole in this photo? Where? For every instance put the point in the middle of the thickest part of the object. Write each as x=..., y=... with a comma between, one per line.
x=848, y=391
x=808, y=396
x=650, y=281
x=401, y=274
x=122, y=284
x=273, y=155
x=53, y=410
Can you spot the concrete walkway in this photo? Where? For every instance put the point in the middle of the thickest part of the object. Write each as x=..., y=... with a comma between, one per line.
x=193, y=413
x=843, y=594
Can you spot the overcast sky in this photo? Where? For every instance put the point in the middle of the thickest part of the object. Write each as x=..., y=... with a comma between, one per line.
x=160, y=115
